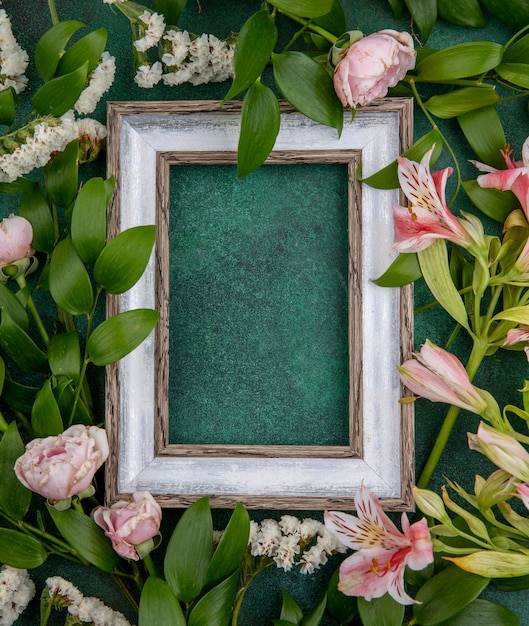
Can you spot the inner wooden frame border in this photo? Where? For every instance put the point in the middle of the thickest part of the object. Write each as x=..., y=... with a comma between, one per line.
x=164, y=453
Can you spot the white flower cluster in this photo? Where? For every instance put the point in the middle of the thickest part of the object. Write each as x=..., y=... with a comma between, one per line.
x=44, y=138
x=205, y=59
x=283, y=541
x=100, y=82
x=148, y=75
x=86, y=609
x=153, y=33
x=16, y=591
x=13, y=60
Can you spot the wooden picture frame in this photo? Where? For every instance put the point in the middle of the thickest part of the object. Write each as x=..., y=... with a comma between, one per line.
x=145, y=140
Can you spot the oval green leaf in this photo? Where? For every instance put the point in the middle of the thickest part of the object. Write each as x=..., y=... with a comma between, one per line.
x=260, y=121
x=50, y=47
x=15, y=498
x=334, y=21
x=171, y=9
x=64, y=355
x=88, y=49
x=159, y=605
x=12, y=305
x=308, y=88
x=514, y=13
x=446, y=594
x=518, y=52
x=255, y=44
x=19, y=185
x=424, y=13
x=46, y=418
x=304, y=8
x=341, y=607
x=123, y=260
x=214, y=609
x=492, y=202
x=189, y=551
x=61, y=175
x=85, y=536
x=484, y=132
x=7, y=106
x=89, y=220
x=60, y=94
x=515, y=73
x=18, y=397
x=35, y=209
x=462, y=12
x=382, y=611
x=290, y=609
x=484, y=613
x=19, y=550
x=404, y=270
x=119, y=335
x=69, y=282
x=315, y=615
x=20, y=348
x=460, y=61
x=65, y=396
x=461, y=101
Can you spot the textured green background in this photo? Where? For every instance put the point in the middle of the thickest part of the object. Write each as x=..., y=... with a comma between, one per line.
x=502, y=375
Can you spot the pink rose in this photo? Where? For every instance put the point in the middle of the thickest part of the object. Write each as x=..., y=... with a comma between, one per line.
x=128, y=524
x=59, y=467
x=373, y=64
x=16, y=235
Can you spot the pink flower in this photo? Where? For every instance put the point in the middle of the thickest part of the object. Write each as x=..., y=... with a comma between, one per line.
x=59, y=467
x=383, y=551
x=515, y=178
x=523, y=490
x=372, y=65
x=517, y=335
x=428, y=217
x=439, y=376
x=16, y=234
x=129, y=524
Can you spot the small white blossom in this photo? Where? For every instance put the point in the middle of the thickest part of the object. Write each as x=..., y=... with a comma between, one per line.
x=13, y=60
x=16, y=591
x=330, y=543
x=180, y=42
x=289, y=524
x=152, y=35
x=286, y=551
x=310, y=528
x=58, y=586
x=100, y=82
x=312, y=558
x=148, y=75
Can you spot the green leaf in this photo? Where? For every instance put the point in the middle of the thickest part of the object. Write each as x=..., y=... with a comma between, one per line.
x=462, y=12
x=382, y=611
x=15, y=498
x=308, y=88
x=69, y=282
x=123, y=260
x=255, y=44
x=18, y=397
x=460, y=61
x=492, y=202
x=387, y=177
x=518, y=51
x=304, y=8
x=260, y=121
x=397, y=6
x=171, y=9
x=85, y=536
x=460, y=101
x=65, y=396
x=88, y=49
x=484, y=613
x=19, y=346
x=89, y=225
x=159, y=605
x=35, y=209
x=518, y=314
x=341, y=607
x=189, y=551
x=515, y=73
x=290, y=609
x=334, y=21
x=436, y=272
x=64, y=355
x=232, y=547
x=19, y=185
x=119, y=335
x=424, y=13
x=445, y=594
x=315, y=615
x=514, y=13
x=60, y=94
x=405, y=269
x=484, y=132
x=46, y=418
x=50, y=47
x=8, y=100
x=214, y=609
x=20, y=551
x=11, y=304
x=61, y=175
x=520, y=583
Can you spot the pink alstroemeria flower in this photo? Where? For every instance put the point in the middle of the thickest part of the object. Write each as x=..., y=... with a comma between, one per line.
x=383, y=551
x=515, y=178
x=439, y=376
x=427, y=217
x=523, y=490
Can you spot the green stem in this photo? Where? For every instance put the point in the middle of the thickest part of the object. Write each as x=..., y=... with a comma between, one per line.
x=149, y=565
x=25, y=423
x=21, y=282
x=3, y=424
x=53, y=12
x=244, y=588
x=126, y=592
x=477, y=355
x=313, y=27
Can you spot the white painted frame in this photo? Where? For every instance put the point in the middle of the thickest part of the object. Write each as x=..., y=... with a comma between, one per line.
x=141, y=132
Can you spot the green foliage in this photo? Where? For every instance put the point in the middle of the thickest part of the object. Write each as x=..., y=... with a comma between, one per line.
x=60, y=94
x=50, y=47
x=46, y=418
x=89, y=220
x=20, y=347
x=171, y=9
x=341, y=607
x=7, y=106
x=69, y=281
x=15, y=498
x=424, y=13
x=384, y=611
x=159, y=605
x=34, y=207
x=20, y=550
x=403, y=270
x=304, y=8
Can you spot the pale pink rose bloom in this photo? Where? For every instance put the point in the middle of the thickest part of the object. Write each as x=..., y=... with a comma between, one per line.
x=523, y=490
x=427, y=217
x=16, y=235
x=59, y=467
x=130, y=523
x=383, y=551
x=372, y=65
x=439, y=376
x=502, y=449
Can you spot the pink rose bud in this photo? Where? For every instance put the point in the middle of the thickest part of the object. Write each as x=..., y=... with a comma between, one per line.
x=16, y=235
x=372, y=65
x=59, y=467
x=129, y=524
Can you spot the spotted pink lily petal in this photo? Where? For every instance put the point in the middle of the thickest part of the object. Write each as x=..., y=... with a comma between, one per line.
x=383, y=552
x=517, y=335
x=427, y=217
